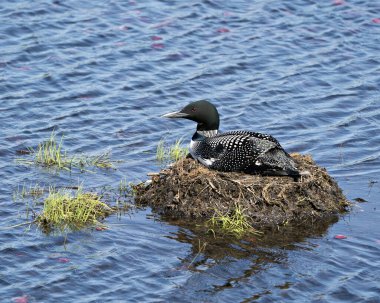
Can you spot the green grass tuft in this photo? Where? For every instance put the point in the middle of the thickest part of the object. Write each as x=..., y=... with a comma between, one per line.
x=177, y=152
x=24, y=191
x=235, y=223
x=171, y=153
x=64, y=210
x=123, y=186
x=50, y=154
x=160, y=153
x=100, y=161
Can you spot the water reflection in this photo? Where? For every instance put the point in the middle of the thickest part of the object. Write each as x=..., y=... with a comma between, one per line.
x=270, y=247
x=227, y=264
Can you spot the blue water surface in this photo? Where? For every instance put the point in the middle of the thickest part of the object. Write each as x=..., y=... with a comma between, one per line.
x=102, y=72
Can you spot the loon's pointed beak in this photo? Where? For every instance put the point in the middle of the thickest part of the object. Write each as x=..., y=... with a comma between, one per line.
x=175, y=115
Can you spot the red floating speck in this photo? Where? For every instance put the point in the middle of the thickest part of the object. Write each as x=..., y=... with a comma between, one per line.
x=338, y=2
x=156, y=38
x=340, y=237
x=63, y=260
x=23, y=299
x=100, y=228
x=158, y=45
x=223, y=30
x=376, y=20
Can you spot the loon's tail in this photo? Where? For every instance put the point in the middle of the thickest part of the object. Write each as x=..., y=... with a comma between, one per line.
x=277, y=162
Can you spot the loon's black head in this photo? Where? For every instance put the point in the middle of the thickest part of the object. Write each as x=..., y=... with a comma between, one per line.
x=202, y=112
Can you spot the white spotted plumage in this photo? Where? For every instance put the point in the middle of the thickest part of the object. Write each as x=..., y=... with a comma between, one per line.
x=245, y=151
x=240, y=151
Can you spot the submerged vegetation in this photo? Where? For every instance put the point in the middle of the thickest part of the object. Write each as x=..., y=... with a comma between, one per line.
x=50, y=154
x=24, y=191
x=171, y=153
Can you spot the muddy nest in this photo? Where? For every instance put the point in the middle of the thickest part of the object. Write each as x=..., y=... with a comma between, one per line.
x=189, y=190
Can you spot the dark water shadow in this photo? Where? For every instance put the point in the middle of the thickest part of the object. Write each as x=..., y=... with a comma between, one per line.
x=271, y=246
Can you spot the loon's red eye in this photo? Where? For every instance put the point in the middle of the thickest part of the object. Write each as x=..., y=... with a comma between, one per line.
x=193, y=109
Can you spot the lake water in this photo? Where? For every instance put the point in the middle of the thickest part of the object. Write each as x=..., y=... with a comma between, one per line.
x=102, y=72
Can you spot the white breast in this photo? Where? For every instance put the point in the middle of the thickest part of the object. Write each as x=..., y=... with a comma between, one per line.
x=193, y=146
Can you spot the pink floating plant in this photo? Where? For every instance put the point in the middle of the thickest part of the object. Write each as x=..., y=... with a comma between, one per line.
x=23, y=299
x=223, y=30
x=338, y=2
x=156, y=38
x=340, y=237
x=376, y=20
x=158, y=45
x=63, y=260
x=100, y=228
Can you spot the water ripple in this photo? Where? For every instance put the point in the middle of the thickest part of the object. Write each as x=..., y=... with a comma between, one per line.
x=101, y=74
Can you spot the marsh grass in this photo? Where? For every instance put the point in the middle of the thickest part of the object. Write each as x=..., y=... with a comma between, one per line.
x=177, y=151
x=201, y=249
x=33, y=190
x=173, y=152
x=60, y=210
x=65, y=210
x=123, y=186
x=161, y=151
x=50, y=154
x=125, y=191
x=100, y=161
x=28, y=194
x=234, y=223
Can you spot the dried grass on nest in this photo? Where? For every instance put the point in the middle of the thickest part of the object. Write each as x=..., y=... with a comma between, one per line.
x=189, y=190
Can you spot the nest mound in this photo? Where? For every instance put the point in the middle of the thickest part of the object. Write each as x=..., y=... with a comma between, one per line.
x=189, y=190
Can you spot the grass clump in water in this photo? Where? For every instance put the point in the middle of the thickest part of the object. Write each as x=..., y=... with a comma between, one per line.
x=235, y=223
x=160, y=153
x=100, y=161
x=64, y=210
x=24, y=191
x=50, y=154
x=171, y=153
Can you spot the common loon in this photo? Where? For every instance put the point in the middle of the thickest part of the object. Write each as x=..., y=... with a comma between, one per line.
x=242, y=151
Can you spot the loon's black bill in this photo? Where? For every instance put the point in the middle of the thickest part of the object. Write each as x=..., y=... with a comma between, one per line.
x=175, y=115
